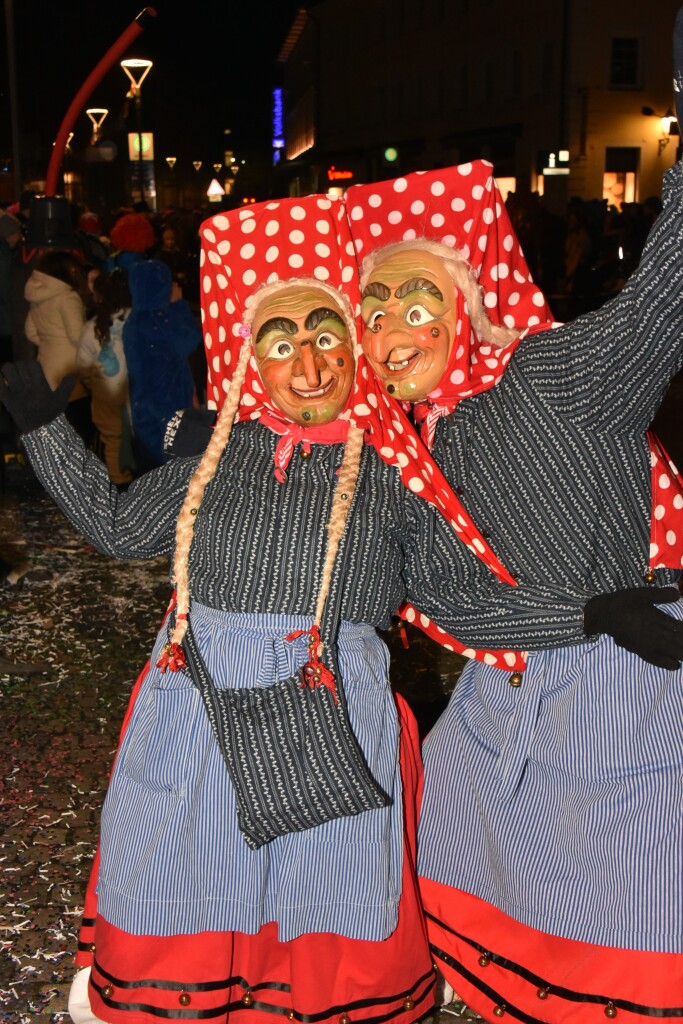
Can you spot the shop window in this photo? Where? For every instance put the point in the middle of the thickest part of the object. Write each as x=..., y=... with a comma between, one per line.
x=620, y=180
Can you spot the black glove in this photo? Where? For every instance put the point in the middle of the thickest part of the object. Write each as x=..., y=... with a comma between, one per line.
x=189, y=432
x=632, y=620
x=28, y=397
x=678, y=65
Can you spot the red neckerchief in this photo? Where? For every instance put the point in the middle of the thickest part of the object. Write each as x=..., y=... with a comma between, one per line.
x=291, y=434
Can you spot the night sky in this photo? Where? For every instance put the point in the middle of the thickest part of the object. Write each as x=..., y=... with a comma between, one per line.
x=214, y=68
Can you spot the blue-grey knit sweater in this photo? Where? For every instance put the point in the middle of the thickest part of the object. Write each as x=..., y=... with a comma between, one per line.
x=258, y=544
x=552, y=463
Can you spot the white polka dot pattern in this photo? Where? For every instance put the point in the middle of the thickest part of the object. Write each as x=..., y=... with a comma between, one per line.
x=460, y=207
x=507, y=661
x=463, y=202
x=245, y=249
x=310, y=237
x=666, y=525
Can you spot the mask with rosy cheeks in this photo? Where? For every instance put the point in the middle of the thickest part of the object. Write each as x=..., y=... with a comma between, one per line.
x=410, y=320
x=304, y=354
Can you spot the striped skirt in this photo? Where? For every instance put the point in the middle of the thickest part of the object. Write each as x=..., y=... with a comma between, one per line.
x=190, y=924
x=553, y=816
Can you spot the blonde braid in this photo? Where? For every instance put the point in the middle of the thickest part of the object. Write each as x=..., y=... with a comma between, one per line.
x=343, y=495
x=201, y=477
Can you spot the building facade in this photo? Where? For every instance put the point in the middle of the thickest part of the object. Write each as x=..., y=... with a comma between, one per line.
x=566, y=98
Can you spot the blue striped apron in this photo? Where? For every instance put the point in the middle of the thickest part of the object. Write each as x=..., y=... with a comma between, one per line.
x=561, y=802
x=172, y=858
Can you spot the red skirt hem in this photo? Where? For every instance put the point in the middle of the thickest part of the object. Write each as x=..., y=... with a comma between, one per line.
x=502, y=968
x=317, y=978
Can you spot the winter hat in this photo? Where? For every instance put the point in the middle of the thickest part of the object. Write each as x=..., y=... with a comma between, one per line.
x=133, y=233
x=90, y=223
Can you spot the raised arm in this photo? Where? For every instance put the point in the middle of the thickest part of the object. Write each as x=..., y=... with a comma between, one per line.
x=137, y=524
x=610, y=368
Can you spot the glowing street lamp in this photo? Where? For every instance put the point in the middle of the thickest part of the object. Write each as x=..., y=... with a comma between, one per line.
x=171, y=161
x=136, y=70
x=668, y=126
x=97, y=116
x=197, y=164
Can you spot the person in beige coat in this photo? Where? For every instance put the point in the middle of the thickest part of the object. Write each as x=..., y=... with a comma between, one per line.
x=101, y=363
x=54, y=324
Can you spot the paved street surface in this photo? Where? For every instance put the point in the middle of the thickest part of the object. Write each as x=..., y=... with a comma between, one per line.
x=93, y=621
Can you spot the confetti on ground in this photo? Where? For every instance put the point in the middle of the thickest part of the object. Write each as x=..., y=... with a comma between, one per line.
x=93, y=620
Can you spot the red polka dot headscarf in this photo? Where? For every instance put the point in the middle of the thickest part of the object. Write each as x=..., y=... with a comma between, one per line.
x=242, y=251
x=285, y=240
x=460, y=207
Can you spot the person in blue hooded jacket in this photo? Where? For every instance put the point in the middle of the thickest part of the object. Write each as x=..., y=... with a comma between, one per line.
x=158, y=337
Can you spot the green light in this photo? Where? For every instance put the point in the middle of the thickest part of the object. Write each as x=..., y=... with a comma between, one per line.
x=146, y=143
x=390, y=154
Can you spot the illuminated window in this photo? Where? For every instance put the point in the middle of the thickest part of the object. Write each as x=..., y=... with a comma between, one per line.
x=506, y=186
x=619, y=182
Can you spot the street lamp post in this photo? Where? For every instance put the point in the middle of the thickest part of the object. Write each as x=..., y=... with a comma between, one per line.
x=97, y=116
x=94, y=156
x=136, y=70
x=171, y=161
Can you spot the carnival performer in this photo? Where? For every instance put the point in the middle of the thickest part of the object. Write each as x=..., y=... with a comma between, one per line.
x=197, y=915
x=551, y=831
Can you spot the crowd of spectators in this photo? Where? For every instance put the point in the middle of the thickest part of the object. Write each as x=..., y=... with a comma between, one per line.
x=71, y=309
x=579, y=261
x=584, y=258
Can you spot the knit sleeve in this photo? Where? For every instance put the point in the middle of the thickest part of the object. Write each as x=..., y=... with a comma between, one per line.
x=610, y=368
x=449, y=584
x=139, y=523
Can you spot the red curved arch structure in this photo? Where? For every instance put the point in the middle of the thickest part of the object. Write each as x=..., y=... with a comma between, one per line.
x=96, y=75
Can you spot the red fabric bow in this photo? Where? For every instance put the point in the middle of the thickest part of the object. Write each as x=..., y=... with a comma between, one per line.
x=315, y=672
x=291, y=434
x=172, y=657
